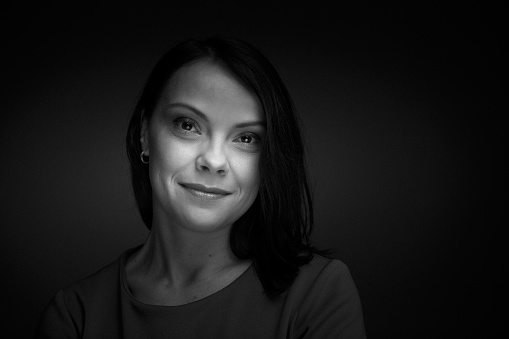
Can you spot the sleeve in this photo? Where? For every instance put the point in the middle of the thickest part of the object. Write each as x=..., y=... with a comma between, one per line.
x=56, y=320
x=331, y=307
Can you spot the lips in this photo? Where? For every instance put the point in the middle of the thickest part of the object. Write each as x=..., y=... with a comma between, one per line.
x=205, y=189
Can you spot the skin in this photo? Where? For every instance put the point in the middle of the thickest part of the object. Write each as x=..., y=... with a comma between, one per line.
x=206, y=129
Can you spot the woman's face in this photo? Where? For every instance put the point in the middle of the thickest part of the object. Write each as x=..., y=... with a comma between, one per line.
x=204, y=142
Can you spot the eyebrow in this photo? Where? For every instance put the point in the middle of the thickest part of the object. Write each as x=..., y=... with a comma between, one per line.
x=204, y=116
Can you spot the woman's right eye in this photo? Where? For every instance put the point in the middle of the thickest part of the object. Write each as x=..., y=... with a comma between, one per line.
x=185, y=125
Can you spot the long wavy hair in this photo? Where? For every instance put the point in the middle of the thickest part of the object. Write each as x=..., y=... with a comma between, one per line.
x=275, y=231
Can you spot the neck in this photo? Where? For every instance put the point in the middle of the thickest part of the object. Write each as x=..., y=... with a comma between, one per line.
x=183, y=258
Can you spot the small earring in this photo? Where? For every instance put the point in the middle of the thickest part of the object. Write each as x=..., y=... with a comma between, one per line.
x=144, y=158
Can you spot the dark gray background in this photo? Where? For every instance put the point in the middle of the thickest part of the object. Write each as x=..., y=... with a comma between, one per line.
x=399, y=107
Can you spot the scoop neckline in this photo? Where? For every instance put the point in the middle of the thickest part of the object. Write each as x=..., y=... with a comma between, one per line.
x=125, y=286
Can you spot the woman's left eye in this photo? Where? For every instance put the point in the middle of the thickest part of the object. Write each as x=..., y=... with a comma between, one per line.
x=249, y=140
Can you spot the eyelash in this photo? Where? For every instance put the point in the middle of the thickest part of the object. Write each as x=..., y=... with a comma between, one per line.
x=255, y=139
x=177, y=125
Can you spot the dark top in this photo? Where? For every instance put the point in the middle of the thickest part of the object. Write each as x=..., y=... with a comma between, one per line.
x=322, y=303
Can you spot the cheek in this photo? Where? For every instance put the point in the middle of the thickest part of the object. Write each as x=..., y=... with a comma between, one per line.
x=246, y=170
x=170, y=156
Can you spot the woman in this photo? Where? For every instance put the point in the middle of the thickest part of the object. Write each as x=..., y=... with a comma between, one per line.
x=219, y=177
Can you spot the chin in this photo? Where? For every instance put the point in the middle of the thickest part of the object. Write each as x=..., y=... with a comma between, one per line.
x=207, y=218
x=206, y=221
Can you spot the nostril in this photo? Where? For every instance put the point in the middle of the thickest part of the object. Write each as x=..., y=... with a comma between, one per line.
x=208, y=163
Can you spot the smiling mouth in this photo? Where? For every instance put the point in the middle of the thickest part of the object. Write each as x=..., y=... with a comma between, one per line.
x=205, y=192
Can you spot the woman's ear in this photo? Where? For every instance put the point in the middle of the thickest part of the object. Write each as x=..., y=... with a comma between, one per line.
x=144, y=133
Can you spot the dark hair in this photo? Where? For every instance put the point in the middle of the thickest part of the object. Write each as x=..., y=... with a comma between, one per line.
x=275, y=231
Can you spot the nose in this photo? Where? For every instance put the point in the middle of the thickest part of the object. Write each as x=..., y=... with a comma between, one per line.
x=213, y=159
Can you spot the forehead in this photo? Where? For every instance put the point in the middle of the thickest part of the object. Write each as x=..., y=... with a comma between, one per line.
x=211, y=88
